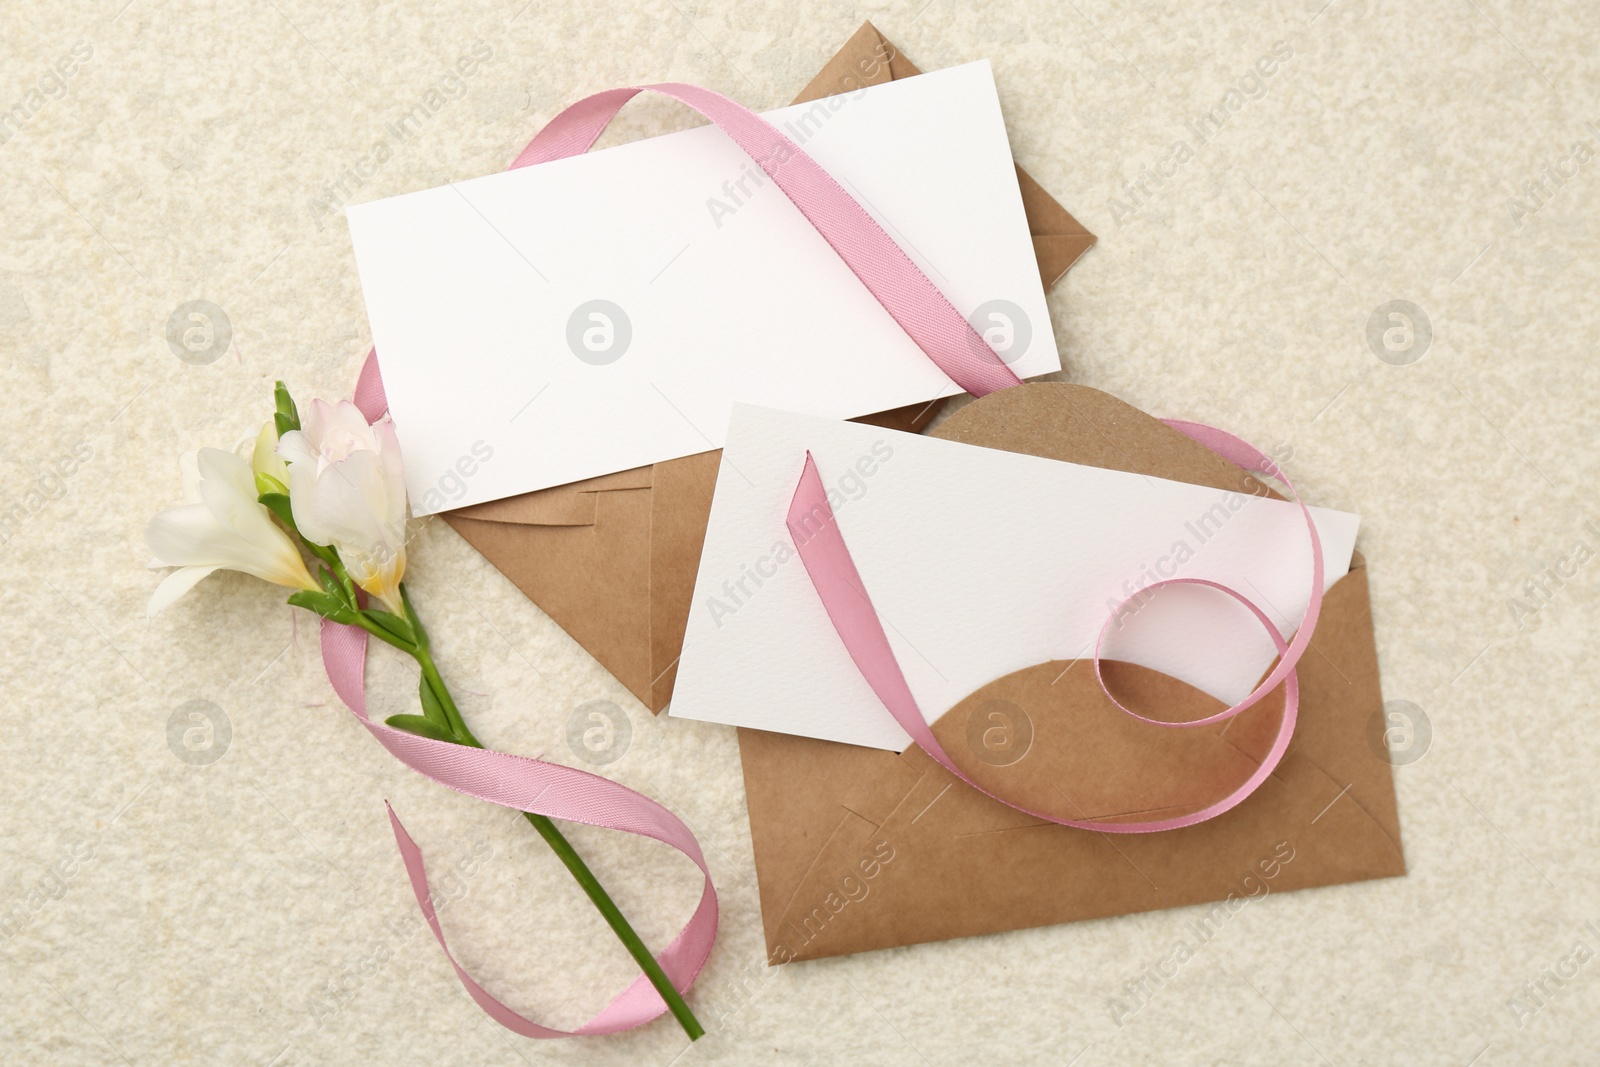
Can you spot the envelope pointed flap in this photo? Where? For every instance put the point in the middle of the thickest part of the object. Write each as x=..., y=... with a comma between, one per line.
x=870, y=58
x=1058, y=238
x=899, y=65
x=562, y=505
x=1078, y=424
x=1046, y=216
x=592, y=580
x=864, y=60
x=680, y=508
x=1343, y=663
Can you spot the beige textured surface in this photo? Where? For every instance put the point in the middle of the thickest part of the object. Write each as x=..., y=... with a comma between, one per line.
x=253, y=910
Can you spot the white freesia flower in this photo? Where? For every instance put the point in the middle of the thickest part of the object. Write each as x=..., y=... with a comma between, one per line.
x=225, y=527
x=347, y=489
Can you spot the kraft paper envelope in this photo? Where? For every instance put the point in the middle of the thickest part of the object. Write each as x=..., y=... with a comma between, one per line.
x=612, y=559
x=859, y=848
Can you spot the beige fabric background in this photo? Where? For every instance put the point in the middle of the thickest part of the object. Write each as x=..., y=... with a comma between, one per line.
x=252, y=910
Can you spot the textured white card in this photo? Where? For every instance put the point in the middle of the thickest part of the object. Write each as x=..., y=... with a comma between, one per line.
x=599, y=313
x=979, y=562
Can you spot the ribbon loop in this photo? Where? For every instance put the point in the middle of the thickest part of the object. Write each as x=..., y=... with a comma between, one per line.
x=549, y=789
x=833, y=573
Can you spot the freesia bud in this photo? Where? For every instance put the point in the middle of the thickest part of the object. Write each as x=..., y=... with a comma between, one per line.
x=266, y=462
x=224, y=527
x=347, y=489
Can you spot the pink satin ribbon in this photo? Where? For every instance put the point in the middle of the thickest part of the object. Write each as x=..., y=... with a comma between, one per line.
x=549, y=789
x=930, y=320
x=833, y=573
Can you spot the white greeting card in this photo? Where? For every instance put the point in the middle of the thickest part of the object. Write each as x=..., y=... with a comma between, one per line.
x=602, y=312
x=979, y=562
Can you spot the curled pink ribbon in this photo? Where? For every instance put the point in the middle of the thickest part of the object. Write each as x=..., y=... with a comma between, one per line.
x=833, y=574
x=548, y=789
x=560, y=792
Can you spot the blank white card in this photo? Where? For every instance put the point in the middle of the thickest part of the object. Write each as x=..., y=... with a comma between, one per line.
x=602, y=312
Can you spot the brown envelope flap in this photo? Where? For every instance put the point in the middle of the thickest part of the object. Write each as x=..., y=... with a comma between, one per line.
x=592, y=579
x=821, y=813
x=680, y=507
x=1082, y=425
x=1035, y=757
x=1077, y=424
x=1058, y=238
x=869, y=58
x=562, y=505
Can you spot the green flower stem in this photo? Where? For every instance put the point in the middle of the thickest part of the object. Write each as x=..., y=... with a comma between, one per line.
x=421, y=652
x=580, y=871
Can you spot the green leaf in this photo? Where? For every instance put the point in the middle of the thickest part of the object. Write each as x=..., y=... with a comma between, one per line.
x=266, y=483
x=330, y=585
x=287, y=416
x=278, y=504
x=431, y=706
x=416, y=724
x=392, y=623
x=411, y=617
x=323, y=604
x=323, y=552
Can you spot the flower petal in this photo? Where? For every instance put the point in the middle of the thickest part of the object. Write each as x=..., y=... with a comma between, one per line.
x=230, y=528
x=393, y=468
x=190, y=536
x=189, y=471
x=264, y=458
x=294, y=447
x=174, y=586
